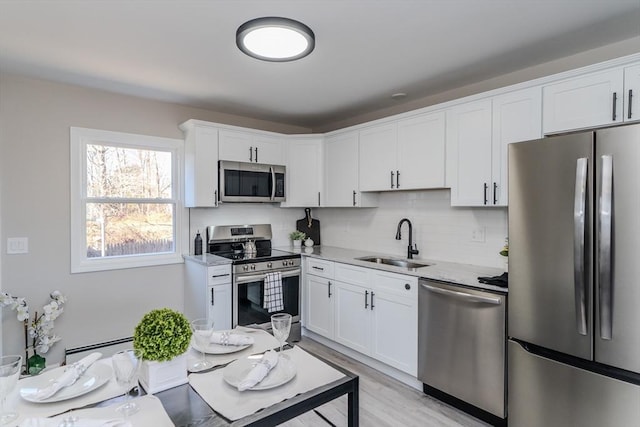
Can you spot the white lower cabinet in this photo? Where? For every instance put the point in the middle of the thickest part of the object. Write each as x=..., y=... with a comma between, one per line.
x=370, y=311
x=207, y=293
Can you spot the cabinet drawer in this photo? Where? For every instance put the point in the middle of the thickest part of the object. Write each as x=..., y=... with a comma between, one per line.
x=320, y=267
x=397, y=284
x=218, y=274
x=352, y=274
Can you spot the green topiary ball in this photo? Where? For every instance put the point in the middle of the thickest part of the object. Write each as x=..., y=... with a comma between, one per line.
x=162, y=334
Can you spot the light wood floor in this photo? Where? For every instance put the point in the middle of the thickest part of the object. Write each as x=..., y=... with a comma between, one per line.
x=384, y=401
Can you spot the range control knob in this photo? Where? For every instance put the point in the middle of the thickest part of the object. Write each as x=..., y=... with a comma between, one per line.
x=245, y=268
x=285, y=263
x=269, y=265
x=253, y=266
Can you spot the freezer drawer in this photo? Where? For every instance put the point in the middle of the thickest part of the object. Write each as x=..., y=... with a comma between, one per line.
x=461, y=344
x=544, y=392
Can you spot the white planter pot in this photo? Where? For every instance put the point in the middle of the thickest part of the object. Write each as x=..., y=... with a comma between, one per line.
x=159, y=376
x=297, y=243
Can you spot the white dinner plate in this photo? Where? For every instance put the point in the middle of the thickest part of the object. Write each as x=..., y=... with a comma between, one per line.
x=281, y=374
x=95, y=376
x=213, y=348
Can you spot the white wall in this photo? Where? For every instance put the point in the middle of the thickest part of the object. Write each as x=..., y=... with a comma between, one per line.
x=441, y=232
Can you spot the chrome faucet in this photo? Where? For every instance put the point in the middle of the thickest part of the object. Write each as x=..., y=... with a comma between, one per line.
x=411, y=250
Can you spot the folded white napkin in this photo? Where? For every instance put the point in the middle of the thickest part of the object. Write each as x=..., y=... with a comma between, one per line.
x=70, y=375
x=82, y=422
x=227, y=338
x=259, y=372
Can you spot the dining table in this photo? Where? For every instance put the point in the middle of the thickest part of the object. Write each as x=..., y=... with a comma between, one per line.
x=209, y=398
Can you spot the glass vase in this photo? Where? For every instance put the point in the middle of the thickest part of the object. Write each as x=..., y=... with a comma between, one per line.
x=35, y=364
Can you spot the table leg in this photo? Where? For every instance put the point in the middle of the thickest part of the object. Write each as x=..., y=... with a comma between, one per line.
x=353, y=405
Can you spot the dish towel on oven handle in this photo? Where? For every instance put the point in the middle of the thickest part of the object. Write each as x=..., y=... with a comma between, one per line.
x=273, y=292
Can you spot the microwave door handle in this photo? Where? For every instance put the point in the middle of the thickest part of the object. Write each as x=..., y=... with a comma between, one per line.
x=604, y=249
x=273, y=182
x=579, y=213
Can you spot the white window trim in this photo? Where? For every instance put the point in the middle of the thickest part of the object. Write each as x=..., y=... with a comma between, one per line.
x=79, y=138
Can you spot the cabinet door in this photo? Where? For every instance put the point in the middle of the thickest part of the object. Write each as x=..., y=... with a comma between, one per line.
x=341, y=170
x=517, y=116
x=270, y=149
x=395, y=321
x=304, y=172
x=352, y=316
x=220, y=306
x=469, y=153
x=201, y=166
x=632, y=93
x=421, y=147
x=378, y=158
x=583, y=102
x=318, y=299
x=236, y=146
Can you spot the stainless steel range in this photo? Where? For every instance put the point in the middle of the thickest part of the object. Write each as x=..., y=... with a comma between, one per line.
x=249, y=247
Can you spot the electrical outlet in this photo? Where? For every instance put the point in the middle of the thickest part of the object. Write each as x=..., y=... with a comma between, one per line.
x=478, y=235
x=17, y=245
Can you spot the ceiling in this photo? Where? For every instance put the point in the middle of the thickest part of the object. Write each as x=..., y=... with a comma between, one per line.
x=184, y=51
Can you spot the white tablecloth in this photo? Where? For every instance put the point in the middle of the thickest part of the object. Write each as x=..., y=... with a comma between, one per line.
x=233, y=404
x=263, y=341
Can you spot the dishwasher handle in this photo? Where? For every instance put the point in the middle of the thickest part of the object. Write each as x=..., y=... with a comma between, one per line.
x=462, y=295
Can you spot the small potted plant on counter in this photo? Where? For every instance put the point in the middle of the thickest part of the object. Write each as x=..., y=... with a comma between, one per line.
x=297, y=237
x=162, y=338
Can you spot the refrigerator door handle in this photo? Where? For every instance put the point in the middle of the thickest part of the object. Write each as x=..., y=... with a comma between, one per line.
x=604, y=248
x=579, y=213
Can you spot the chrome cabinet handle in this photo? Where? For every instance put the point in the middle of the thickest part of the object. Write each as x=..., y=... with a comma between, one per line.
x=391, y=179
x=354, y=197
x=604, y=249
x=630, y=103
x=372, y=295
x=366, y=299
x=579, y=213
x=495, y=193
x=615, y=101
x=397, y=179
x=215, y=198
x=317, y=268
x=220, y=275
x=213, y=301
x=462, y=295
x=251, y=154
x=329, y=289
x=256, y=154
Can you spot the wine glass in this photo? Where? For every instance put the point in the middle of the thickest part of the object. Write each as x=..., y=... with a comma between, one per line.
x=281, y=324
x=9, y=372
x=202, y=331
x=126, y=365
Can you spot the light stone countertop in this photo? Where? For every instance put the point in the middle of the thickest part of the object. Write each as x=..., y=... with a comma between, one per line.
x=457, y=273
x=207, y=259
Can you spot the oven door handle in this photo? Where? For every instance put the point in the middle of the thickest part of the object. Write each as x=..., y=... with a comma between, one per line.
x=260, y=277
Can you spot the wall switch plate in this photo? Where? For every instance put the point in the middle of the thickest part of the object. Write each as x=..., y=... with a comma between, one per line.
x=478, y=235
x=17, y=245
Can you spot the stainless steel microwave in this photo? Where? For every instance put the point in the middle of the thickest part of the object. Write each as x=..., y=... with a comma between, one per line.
x=251, y=182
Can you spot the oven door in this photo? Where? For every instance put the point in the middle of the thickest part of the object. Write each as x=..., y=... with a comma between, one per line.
x=248, y=299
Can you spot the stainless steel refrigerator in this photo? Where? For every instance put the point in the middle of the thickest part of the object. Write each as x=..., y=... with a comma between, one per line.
x=574, y=280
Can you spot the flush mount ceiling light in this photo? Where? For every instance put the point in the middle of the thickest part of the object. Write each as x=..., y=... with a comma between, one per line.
x=275, y=39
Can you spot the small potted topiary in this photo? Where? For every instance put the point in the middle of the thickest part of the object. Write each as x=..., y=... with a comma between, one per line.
x=162, y=338
x=297, y=237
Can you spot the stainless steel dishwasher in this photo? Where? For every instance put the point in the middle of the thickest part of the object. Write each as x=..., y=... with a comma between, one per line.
x=461, y=347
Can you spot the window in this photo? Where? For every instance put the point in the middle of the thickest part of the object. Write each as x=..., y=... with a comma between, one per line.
x=125, y=200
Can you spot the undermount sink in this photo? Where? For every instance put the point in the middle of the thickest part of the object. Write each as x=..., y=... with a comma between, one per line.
x=394, y=262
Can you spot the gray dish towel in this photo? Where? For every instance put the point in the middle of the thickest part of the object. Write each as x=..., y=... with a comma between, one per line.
x=273, y=292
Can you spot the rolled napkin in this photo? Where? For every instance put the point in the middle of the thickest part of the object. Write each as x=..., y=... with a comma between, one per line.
x=83, y=422
x=259, y=371
x=70, y=375
x=228, y=338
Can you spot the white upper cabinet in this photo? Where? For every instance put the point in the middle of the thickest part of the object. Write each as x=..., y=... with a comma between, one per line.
x=478, y=135
x=583, y=102
x=304, y=171
x=251, y=147
x=201, y=164
x=517, y=116
x=341, y=188
x=632, y=93
x=469, y=139
x=403, y=155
